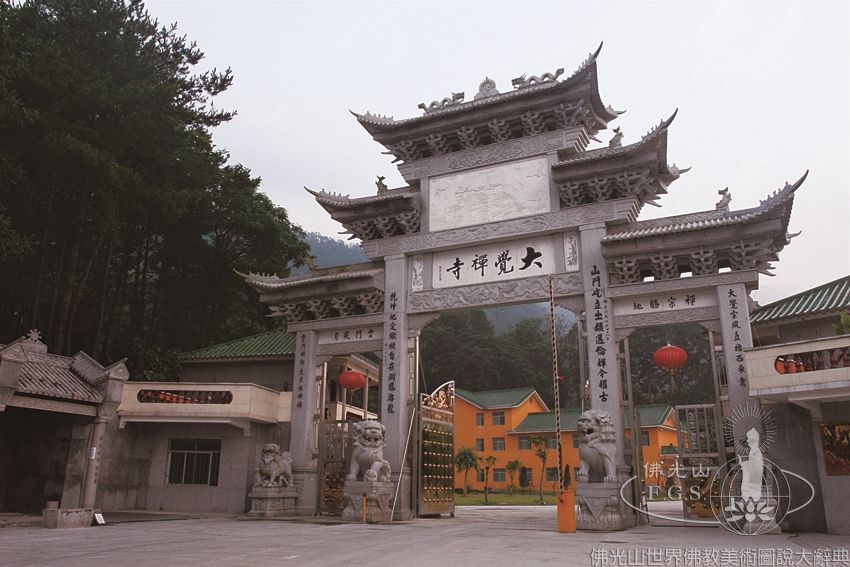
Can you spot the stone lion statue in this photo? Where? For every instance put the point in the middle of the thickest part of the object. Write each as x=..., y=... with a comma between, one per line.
x=597, y=447
x=275, y=468
x=367, y=460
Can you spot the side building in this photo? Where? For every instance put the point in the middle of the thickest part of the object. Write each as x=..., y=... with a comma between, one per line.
x=192, y=445
x=800, y=370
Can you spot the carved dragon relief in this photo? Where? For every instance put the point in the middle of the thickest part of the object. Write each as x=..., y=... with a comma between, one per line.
x=531, y=289
x=453, y=100
x=522, y=82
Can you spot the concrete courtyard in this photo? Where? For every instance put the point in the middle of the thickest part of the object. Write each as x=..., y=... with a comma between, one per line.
x=516, y=535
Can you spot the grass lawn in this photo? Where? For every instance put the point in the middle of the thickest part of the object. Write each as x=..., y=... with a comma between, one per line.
x=518, y=498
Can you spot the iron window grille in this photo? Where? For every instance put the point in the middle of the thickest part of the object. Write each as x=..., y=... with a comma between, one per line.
x=194, y=461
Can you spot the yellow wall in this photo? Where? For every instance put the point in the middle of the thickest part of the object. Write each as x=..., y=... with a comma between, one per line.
x=466, y=433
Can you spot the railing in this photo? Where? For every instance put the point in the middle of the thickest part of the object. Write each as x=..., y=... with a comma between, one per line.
x=338, y=411
x=158, y=401
x=799, y=366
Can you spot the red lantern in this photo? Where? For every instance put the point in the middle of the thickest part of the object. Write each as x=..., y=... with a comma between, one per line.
x=352, y=380
x=670, y=358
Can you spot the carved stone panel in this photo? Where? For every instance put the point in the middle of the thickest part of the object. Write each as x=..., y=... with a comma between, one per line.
x=490, y=194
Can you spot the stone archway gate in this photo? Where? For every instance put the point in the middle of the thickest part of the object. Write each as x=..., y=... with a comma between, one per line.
x=502, y=193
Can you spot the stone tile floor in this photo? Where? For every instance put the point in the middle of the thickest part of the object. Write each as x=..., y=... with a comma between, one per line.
x=517, y=535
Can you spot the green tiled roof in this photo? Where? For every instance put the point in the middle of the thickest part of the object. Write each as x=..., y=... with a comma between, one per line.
x=493, y=399
x=271, y=344
x=669, y=450
x=826, y=298
x=650, y=415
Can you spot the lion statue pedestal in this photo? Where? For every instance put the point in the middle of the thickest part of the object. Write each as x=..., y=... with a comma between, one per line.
x=368, y=481
x=600, y=507
x=274, y=493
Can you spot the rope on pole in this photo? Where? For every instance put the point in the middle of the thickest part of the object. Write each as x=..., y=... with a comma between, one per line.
x=556, y=384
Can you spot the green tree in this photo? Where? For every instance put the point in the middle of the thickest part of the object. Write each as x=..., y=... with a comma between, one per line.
x=539, y=443
x=693, y=384
x=489, y=462
x=512, y=467
x=842, y=327
x=128, y=220
x=466, y=460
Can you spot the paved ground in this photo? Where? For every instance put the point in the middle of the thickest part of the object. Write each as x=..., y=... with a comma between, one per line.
x=491, y=536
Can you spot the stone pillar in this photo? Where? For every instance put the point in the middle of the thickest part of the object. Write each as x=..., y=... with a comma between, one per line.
x=93, y=463
x=737, y=336
x=396, y=391
x=600, y=507
x=603, y=369
x=302, y=444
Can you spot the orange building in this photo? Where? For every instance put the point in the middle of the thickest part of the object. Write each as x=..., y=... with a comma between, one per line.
x=483, y=422
x=517, y=423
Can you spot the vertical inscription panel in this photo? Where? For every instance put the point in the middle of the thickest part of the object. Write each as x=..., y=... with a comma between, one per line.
x=489, y=194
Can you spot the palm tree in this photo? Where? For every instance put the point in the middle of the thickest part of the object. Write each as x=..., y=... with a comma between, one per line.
x=465, y=460
x=512, y=467
x=539, y=444
x=489, y=461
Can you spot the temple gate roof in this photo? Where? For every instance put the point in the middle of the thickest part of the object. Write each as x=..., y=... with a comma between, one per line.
x=665, y=248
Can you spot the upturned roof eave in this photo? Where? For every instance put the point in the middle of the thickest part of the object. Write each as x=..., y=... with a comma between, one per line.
x=683, y=223
x=377, y=125
x=657, y=134
x=268, y=283
x=334, y=203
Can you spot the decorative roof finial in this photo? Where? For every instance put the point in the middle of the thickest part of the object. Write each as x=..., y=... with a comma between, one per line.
x=382, y=187
x=33, y=335
x=486, y=89
x=723, y=203
x=617, y=140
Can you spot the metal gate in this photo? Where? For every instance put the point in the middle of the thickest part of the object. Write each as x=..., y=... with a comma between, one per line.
x=335, y=446
x=436, y=483
x=701, y=452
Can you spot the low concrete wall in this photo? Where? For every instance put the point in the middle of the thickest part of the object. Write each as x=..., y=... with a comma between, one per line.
x=67, y=517
x=836, y=488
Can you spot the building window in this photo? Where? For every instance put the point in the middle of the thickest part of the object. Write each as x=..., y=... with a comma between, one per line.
x=479, y=444
x=498, y=418
x=551, y=442
x=498, y=443
x=644, y=438
x=498, y=475
x=479, y=419
x=524, y=443
x=575, y=441
x=194, y=461
x=552, y=474
x=479, y=475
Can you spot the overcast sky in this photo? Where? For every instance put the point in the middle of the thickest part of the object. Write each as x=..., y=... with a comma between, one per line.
x=763, y=92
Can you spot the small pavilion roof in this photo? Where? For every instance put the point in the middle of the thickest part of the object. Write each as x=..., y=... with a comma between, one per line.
x=498, y=399
x=377, y=124
x=47, y=375
x=828, y=298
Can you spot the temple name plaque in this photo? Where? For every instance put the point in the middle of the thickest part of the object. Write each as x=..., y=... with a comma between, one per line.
x=494, y=263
